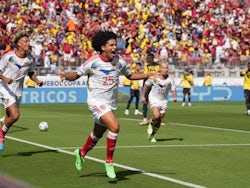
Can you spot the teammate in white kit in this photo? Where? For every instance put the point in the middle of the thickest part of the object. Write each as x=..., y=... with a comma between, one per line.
x=103, y=70
x=161, y=85
x=14, y=66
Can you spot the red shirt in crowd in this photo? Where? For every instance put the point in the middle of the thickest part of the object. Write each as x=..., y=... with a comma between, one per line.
x=66, y=48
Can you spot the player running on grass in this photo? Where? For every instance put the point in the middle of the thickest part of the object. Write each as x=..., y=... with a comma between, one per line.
x=14, y=66
x=103, y=70
x=161, y=85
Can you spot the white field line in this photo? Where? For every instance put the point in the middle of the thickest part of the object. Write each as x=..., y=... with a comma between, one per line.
x=57, y=115
x=118, y=165
x=179, y=124
x=164, y=146
x=207, y=127
x=197, y=126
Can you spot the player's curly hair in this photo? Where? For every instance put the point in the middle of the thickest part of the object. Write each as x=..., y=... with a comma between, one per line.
x=19, y=36
x=101, y=38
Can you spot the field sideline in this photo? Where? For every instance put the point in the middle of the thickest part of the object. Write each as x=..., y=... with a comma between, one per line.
x=198, y=147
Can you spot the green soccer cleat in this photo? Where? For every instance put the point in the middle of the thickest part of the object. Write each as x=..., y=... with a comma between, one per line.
x=151, y=138
x=150, y=129
x=110, y=171
x=79, y=159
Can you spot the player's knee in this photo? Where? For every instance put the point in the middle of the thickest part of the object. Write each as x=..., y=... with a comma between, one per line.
x=156, y=116
x=14, y=117
x=115, y=128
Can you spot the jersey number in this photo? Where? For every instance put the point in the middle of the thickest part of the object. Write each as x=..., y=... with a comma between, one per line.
x=160, y=91
x=108, y=80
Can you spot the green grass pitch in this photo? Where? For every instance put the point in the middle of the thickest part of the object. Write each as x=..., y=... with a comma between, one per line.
x=207, y=145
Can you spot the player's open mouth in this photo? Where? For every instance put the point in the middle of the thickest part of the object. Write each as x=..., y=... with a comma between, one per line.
x=113, y=52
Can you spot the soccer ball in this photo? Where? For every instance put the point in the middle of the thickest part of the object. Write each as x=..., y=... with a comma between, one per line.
x=248, y=112
x=43, y=126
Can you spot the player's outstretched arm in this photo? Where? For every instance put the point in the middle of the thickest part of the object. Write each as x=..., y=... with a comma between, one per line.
x=71, y=76
x=33, y=77
x=139, y=76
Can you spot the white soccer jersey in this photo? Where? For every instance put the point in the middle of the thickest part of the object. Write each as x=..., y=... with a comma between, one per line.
x=16, y=68
x=103, y=78
x=160, y=88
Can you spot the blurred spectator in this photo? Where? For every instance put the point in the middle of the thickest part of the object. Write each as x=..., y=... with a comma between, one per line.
x=46, y=61
x=70, y=25
x=183, y=56
x=67, y=53
x=37, y=49
x=163, y=50
x=206, y=58
x=121, y=43
x=196, y=56
x=174, y=29
x=207, y=79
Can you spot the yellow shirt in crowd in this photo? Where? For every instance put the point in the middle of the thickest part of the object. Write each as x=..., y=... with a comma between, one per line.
x=207, y=80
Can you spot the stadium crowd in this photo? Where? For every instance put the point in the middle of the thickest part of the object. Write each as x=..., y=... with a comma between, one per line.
x=199, y=32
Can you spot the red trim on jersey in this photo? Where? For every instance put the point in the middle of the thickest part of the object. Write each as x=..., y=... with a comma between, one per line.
x=11, y=52
x=102, y=58
x=97, y=56
x=19, y=55
x=91, y=59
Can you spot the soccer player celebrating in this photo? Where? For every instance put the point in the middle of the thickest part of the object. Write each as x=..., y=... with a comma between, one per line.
x=160, y=86
x=246, y=86
x=103, y=70
x=14, y=66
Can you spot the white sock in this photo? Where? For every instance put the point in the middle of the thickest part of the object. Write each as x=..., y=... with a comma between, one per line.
x=5, y=129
